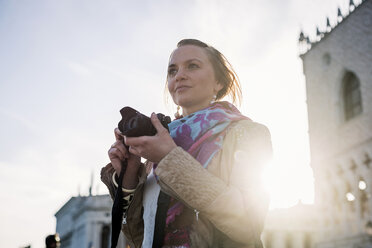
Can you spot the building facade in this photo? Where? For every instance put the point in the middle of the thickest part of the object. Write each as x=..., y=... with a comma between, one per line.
x=338, y=72
x=337, y=65
x=295, y=227
x=85, y=222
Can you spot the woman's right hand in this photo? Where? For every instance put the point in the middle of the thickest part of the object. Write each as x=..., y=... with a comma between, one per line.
x=117, y=153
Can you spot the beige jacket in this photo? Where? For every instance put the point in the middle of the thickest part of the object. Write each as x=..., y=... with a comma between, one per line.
x=228, y=195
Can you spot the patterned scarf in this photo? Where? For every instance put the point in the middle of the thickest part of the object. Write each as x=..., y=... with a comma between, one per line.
x=200, y=134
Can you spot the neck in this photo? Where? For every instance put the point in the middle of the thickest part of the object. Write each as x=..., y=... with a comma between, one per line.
x=192, y=109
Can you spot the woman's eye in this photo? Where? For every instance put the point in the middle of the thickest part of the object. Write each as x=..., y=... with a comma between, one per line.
x=192, y=66
x=172, y=71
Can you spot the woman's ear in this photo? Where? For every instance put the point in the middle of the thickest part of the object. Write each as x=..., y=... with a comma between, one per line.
x=217, y=87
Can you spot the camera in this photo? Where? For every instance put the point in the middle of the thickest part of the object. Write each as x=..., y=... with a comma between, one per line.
x=135, y=124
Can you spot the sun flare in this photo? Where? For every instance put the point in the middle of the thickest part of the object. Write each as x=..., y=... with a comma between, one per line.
x=288, y=184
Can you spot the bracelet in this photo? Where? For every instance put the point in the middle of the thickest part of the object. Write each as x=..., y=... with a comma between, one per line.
x=127, y=200
x=123, y=189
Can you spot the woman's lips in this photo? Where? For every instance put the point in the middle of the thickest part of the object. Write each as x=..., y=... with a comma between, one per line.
x=182, y=88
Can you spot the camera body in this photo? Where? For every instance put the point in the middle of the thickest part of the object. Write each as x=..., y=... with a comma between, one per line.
x=135, y=124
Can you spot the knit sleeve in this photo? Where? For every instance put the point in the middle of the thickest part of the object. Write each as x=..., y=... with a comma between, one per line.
x=238, y=206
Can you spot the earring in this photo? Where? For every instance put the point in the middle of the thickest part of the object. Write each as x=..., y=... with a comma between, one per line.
x=213, y=99
x=177, y=114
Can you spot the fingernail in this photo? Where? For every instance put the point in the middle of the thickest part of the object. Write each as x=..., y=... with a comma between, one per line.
x=153, y=114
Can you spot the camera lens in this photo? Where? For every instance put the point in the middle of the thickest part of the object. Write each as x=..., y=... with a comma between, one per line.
x=132, y=123
x=135, y=124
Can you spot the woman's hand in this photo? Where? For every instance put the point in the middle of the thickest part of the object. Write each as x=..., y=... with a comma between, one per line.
x=117, y=153
x=153, y=148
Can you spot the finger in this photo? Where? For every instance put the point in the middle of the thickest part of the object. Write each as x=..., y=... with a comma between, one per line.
x=156, y=122
x=135, y=141
x=120, y=146
x=134, y=151
x=118, y=134
x=115, y=153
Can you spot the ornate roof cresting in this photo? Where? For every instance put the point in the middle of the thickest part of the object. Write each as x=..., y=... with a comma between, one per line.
x=306, y=43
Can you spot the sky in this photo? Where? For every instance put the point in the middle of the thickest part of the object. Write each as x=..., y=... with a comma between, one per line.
x=68, y=67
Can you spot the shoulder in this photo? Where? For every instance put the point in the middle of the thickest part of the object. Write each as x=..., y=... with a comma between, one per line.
x=247, y=142
x=247, y=131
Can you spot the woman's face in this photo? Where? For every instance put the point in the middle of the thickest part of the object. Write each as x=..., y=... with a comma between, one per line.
x=191, y=79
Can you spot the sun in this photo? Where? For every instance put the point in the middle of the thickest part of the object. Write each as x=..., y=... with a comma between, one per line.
x=288, y=183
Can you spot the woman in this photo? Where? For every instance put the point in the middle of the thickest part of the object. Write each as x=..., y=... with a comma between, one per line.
x=201, y=186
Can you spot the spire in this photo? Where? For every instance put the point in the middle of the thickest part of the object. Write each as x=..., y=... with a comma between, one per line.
x=301, y=37
x=91, y=184
x=351, y=5
x=317, y=31
x=319, y=34
x=302, y=43
x=339, y=15
x=328, y=28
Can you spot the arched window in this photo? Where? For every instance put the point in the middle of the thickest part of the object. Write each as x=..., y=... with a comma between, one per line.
x=268, y=239
x=288, y=241
x=350, y=197
x=352, y=97
x=307, y=240
x=105, y=236
x=336, y=199
x=363, y=198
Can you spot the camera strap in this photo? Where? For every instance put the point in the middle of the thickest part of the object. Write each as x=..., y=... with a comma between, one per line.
x=160, y=217
x=117, y=208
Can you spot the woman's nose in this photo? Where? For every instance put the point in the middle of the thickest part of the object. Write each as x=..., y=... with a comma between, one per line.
x=180, y=75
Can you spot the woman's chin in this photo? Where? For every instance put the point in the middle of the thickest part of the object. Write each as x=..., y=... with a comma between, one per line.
x=184, y=102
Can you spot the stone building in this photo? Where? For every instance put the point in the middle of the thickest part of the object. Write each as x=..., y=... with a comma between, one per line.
x=338, y=71
x=337, y=64
x=85, y=222
x=295, y=227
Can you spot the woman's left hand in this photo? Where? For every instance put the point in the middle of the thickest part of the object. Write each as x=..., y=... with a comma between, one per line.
x=153, y=148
